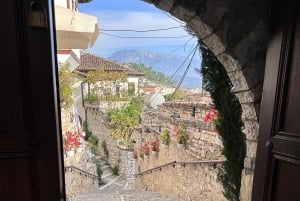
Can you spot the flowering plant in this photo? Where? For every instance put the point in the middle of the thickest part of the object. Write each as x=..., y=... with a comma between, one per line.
x=154, y=145
x=145, y=148
x=181, y=133
x=165, y=136
x=211, y=116
x=72, y=140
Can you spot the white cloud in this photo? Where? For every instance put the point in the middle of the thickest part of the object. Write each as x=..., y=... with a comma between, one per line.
x=138, y=21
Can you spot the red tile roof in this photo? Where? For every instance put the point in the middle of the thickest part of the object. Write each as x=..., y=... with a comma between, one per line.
x=90, y=62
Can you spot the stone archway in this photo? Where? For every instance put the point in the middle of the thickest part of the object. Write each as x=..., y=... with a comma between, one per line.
x=237, y=33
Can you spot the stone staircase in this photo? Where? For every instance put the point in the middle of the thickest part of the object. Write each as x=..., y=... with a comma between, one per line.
x=117, y=189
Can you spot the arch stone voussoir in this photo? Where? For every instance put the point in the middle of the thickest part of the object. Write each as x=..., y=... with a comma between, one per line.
x=200, y=28
x=163, y=5
x=183, y=13
x=214, y=43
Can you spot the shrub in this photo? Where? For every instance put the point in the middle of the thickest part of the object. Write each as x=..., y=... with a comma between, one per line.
x=99, y=172
x=181, y=133
x=90, y=97
x=105, y=150
x=115, y=169
x=93, y=140
x=165, y=136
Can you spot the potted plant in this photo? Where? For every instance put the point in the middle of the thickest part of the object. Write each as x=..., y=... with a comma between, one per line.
x=181, y=135
x=72, y=142
x=145, y=149
x=165, y=138
x=211, y=116
x=154, y=146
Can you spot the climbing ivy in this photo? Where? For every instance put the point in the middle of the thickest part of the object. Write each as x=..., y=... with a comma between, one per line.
x=228, y=124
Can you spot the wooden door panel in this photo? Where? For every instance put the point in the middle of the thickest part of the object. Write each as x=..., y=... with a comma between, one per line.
x=286, y=187
x=16, y=153
x=15, y=185
x=290, y=123
x=31, y=167
x=11, y=103
x=277, y=170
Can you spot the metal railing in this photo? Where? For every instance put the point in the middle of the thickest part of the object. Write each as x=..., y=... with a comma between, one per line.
x=81, y=172
x=212, y=163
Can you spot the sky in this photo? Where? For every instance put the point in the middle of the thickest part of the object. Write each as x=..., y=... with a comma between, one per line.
x=136, y=15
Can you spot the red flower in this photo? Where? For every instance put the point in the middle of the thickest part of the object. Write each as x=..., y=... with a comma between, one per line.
x=154, y=145
x=145, y=148
x=72, y=140
x=211, y=115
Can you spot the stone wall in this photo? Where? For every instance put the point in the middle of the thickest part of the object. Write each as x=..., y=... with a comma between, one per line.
x=117, y=153
x=203, y=141
x=75, y=181
x=189, y=182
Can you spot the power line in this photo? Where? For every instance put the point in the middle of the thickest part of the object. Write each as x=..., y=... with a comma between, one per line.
x=170, y=16
x=170, y=53
x=185, y=72
x=180, y=66
x=117, y=36
x=147, y=30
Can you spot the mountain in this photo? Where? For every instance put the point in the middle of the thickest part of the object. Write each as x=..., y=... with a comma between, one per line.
x=164, y=63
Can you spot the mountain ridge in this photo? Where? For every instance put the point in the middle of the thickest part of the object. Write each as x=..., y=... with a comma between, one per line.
x=165, y=63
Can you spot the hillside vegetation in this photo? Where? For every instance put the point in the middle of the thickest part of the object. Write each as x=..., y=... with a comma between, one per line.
x=152, y=75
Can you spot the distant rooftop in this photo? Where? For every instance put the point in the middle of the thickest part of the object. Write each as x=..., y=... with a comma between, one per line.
x=92, y=62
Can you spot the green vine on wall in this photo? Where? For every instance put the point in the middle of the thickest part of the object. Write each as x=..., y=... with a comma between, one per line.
x=229, y=123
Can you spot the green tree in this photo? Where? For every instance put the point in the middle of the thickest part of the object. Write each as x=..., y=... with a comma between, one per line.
x=228, y=124
x=152, y=75
x=66, y=81
x=123, y=120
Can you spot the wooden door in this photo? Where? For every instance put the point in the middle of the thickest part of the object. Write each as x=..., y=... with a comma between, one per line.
x=277, y=170
x=30, y=160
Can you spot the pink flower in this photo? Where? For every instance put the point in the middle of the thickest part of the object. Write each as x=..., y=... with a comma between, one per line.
x=211, y=115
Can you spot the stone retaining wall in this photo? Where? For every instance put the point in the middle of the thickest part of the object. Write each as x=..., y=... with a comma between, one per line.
x=190, y=183
x=76, y=182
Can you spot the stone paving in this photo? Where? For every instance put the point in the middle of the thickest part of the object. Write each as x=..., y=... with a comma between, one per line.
x=117, y=189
